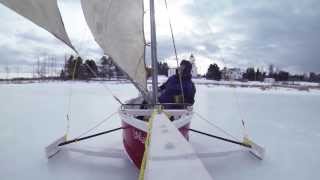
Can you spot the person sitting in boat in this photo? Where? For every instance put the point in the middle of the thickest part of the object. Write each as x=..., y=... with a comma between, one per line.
x=170, y=91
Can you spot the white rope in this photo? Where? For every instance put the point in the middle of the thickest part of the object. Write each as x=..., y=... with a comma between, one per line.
x=97, y=125
x=69, y=100
x=104, y=85
x=217, y=127
x=237, y=103
x=242, y=113
x=68, y=116
x=175, y=50
x=245, y=133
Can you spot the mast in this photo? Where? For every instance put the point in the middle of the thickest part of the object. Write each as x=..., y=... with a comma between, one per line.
x=154, y=54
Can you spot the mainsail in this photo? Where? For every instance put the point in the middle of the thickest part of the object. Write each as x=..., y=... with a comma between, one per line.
x=44, y=13
x=117, y=26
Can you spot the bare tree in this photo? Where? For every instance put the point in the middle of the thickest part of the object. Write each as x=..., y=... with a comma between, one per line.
x=43, y=68
x=18, y=70
x=7, y=70
x=38, y=67
x=33, y=71
x=54, y=65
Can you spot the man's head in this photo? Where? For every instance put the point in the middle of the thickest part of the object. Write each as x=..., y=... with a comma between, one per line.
x=185, y=67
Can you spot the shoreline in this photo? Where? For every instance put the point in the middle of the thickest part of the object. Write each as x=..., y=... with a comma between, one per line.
x=297, y=85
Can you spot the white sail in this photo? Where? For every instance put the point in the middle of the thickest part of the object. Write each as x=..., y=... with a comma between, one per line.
x=117, y=26
x=44, y=13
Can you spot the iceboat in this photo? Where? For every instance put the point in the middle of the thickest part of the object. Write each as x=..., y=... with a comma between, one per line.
x=157, y=143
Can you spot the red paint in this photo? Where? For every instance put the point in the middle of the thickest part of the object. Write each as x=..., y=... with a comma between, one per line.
x=133, y=141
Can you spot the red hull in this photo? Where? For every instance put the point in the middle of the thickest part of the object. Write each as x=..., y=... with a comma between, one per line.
x=133, y=141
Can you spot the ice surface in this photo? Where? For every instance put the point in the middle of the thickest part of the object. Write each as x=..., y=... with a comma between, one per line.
x=285, y=122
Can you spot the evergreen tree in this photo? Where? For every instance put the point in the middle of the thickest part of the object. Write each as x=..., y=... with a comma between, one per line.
x=69, y=67
x=107, y=68
x=62, y=74
x=283, y=76
x=259, y=75
x=249, y=74
x=74, y=67
x=163, y=68
x=214, y=72
x=92, y=69
x=312, y=77
x=118, y=72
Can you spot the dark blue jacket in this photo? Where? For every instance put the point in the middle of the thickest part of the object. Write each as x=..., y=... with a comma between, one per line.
x=172, y=88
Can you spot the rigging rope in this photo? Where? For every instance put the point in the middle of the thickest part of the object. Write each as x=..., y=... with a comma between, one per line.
x=237, y=103
x=70, y=96
x=217, y=127
x=172, y=35
x=69, y=103
x=245, y=133
x=68, y=116
x=69, y=100
x=107, y=88
x=175, y=50
x=242, y=114
x=97, y=125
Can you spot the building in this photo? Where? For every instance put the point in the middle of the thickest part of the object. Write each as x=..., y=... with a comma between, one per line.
x=231, y=73
x=269, y=80
x=194, y=70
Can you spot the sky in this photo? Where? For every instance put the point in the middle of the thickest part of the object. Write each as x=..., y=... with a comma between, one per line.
x=230, y=33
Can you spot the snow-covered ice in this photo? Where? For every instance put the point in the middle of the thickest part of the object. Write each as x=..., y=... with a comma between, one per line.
x=286, y=122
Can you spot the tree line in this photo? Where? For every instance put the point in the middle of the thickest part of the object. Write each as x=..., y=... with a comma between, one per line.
x=77, y=68
x=252, y=74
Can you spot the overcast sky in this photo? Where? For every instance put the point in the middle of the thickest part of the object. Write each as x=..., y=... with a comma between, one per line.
x=236, y=33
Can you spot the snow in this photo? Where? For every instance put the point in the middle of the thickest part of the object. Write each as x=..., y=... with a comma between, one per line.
x=255, y=83
x=285, y=121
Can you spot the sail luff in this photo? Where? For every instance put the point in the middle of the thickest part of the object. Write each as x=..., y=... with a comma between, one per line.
x=154, y=54
x=117, y=27
x=44, y=13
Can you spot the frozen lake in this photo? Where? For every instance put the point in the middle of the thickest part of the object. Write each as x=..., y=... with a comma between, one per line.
x=286, y=122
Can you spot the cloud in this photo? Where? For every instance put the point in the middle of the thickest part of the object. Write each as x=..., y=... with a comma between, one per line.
x=284, y=33
x=11, y=56
x=22, y=42
x=236, y=33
